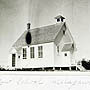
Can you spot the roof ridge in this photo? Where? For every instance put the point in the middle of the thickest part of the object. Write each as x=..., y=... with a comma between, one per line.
x=58, y=31
x=45, y=26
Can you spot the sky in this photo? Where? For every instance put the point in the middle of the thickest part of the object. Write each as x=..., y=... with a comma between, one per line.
x=15, y=14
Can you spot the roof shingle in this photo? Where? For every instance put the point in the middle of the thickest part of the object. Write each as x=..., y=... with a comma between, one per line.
x=40, y=35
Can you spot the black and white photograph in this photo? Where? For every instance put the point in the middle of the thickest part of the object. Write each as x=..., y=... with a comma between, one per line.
x=44, y=44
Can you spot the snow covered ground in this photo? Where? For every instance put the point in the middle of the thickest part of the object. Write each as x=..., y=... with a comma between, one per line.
x=44, y=80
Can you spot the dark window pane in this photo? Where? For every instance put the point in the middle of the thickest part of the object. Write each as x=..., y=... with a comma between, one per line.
x=32, y=52
x=40, y=52
x=65, y=54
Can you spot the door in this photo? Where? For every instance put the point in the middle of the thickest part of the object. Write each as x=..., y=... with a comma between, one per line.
x=13, y=60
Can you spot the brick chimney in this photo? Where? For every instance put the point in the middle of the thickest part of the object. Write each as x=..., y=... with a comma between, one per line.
x=28, y=26
x=59, y=18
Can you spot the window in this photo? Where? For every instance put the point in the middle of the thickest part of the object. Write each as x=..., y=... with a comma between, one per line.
x=32, y=52
x=63, y=32
x=40, y=52
x=18, y=56
x=24, y=53
x=58, y=49
x=58, y=20
x=65, y=54
x=72, y=45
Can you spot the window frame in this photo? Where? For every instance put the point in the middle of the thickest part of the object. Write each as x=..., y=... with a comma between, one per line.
x=24, y=53
x=40, y=51
x=32, y=52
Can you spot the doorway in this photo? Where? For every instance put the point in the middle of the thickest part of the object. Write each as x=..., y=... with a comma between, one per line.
x=13, y=60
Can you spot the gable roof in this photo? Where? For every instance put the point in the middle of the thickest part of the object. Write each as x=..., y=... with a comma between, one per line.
x=40, y=35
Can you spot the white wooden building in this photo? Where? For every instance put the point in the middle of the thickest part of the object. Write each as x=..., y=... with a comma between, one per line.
x=51, y=46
